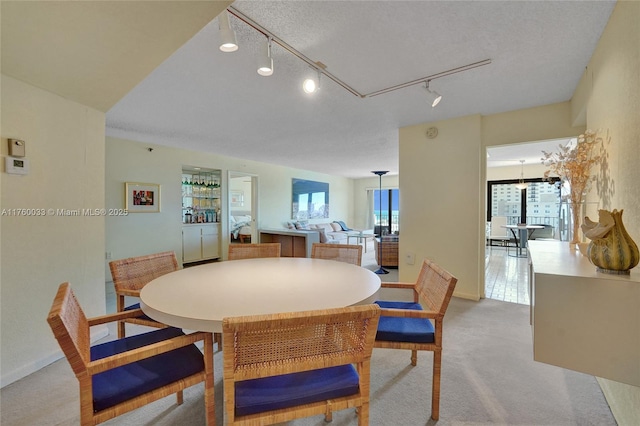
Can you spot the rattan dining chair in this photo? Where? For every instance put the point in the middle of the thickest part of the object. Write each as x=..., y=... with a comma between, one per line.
x=131, y=274
x=254, y=250
x=121, y=375
x=407, y=325
x=281, y=367
x=348, y=253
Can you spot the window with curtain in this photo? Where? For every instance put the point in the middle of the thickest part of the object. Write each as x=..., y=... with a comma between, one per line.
x=385, y=217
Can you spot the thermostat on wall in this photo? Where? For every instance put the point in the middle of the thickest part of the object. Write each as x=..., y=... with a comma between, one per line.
x=17, y=166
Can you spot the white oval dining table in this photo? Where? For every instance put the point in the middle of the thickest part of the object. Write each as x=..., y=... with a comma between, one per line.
x=199, y=297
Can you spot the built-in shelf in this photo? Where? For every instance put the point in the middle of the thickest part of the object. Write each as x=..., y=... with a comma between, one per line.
x=200, y=196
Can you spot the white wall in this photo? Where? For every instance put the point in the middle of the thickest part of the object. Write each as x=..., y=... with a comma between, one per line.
x=513, y=172
x=65, y=148
x=611, y=88
x=144, y=233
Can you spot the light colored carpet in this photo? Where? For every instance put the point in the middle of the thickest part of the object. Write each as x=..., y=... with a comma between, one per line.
x=488, y=377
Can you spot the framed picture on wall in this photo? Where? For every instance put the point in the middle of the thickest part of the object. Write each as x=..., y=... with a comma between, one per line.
x=237, y=198
x=142, y=197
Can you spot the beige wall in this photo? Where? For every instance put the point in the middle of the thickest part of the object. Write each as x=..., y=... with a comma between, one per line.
x=143, y=233
x=448, y=219
x=611, y=88
x=440, y=202
x=65, y=148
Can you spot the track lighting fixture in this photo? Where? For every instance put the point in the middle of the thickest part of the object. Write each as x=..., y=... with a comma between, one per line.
x=265, y=61
x=310, y=85
x=228, y=41
x=434, y=97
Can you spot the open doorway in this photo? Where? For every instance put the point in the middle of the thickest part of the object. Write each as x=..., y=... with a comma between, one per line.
x=517, y=194
x=243, y=207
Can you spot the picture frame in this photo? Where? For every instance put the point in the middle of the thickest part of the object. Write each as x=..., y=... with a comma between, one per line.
x=142, y=197
x=237, y=198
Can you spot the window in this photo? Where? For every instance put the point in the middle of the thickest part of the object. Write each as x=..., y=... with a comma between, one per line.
x=387, y=219
x=539, y=203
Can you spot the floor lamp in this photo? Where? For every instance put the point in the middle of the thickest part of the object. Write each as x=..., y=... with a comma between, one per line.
x=380, y=270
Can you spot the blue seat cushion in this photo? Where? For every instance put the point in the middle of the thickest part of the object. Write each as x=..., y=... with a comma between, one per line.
x=289, y=390
x=143, y=316
x=123, y=383
x=398, y=329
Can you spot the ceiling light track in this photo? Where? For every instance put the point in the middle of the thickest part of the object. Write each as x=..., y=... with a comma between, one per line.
x=277, y=40
x=321, y=68
x=429, y=78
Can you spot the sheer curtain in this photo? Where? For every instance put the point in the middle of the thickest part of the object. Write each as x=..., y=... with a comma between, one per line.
x=370, y=215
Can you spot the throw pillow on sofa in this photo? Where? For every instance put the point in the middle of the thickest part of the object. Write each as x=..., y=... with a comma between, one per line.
x=302, y=225
x=336, y=227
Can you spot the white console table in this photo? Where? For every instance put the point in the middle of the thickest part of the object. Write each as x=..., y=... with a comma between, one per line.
x=581, y=319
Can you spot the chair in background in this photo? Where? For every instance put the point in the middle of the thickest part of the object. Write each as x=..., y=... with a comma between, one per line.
x=125, y=374
x=498, y=232
x=253, y=250
x=131, y=274
x=348, y=253
x=285, y=366
x=406, y=325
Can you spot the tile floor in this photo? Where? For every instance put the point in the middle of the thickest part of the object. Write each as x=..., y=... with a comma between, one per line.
x=506, y=277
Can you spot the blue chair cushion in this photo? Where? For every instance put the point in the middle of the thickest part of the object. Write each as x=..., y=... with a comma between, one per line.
x=289, y=390
x=137, y=306
x=398, y=329
x=123, y=383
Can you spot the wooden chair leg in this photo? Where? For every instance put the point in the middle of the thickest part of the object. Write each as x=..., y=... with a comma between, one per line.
x=120, y=308
x=363, y=415
x=209, y=397
x=435, y=391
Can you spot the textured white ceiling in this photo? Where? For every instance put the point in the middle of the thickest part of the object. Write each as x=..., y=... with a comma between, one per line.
x=206, y=100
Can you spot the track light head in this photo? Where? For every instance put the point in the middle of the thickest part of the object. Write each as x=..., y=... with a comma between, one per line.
x=433, y=96
x=228, y=41
x=310, y=85
x=265, y=61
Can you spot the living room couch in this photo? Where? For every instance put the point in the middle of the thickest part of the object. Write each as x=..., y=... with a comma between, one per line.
x=330, y=232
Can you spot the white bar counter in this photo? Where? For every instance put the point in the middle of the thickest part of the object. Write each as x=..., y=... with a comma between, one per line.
x=581, y=319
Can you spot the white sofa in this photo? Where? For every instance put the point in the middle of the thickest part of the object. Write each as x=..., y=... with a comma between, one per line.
x=330, y=232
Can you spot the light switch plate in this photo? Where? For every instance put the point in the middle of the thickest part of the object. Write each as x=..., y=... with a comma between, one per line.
x=16, y=148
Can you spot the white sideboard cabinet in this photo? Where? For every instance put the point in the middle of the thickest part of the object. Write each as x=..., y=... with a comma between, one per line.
x=581, y=319
x=200, y=242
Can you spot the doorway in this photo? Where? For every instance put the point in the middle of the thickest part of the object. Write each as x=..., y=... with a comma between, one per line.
x=243, y=210
x=515, y=190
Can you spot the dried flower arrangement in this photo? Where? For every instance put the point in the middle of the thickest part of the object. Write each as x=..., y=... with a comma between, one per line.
x=573, y=164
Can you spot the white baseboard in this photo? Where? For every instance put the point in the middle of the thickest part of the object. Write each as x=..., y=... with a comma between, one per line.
x=97, y=333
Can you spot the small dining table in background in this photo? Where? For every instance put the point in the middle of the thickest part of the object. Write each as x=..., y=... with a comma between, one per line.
x=525, y=231
x=199, y=297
